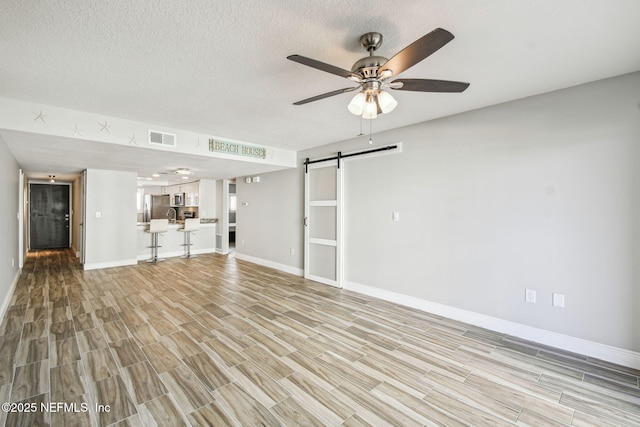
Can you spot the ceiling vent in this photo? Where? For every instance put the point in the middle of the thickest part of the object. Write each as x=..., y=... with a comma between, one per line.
x=162, y=138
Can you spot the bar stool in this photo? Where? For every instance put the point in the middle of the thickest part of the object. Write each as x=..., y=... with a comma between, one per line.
x=156, y=226
x=190, y=224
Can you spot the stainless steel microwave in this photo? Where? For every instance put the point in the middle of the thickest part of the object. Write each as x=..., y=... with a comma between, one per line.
x=178, y=199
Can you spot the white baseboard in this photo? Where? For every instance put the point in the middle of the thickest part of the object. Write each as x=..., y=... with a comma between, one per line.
x=109, y=264
x=282, y=267
x=7, y=298
x=600, y=351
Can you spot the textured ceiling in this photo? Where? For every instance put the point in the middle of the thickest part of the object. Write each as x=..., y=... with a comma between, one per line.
x=219, y=67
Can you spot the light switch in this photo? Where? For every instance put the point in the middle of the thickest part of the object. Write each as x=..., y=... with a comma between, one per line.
x=395, y=216
x=98, y=214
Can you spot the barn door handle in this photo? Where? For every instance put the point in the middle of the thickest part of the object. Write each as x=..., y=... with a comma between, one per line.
x=306, y=221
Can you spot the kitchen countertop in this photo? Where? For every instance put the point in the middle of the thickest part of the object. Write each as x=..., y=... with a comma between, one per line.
x=203, y=221
x=176, y=225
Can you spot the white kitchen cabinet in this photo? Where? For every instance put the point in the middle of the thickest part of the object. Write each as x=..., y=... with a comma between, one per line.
x=191, y=193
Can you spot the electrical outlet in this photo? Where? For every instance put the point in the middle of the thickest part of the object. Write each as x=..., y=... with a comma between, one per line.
x=558, y=300
x=242, y=242
x=530, y=295
x=98, y=214
x=291, y=251
x=13, y=262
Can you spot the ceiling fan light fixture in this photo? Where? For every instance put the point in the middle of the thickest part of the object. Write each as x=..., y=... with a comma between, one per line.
x=387, y=102
x=183, y=171
x=370, y=110
x=356, y=106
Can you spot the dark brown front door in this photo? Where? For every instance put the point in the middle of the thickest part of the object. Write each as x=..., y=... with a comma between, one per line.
x=49, y=214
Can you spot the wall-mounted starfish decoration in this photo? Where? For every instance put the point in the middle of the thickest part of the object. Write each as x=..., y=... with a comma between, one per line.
x=76, y=131
x=132, y=140
x=104, y=126
x=39, y=116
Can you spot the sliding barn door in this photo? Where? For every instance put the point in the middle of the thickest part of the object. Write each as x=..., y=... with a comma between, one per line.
x=323, y=223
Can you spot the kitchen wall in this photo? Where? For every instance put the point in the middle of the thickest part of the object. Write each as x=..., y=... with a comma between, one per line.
x=111, y=238
x=9, y=190
x=540, y=193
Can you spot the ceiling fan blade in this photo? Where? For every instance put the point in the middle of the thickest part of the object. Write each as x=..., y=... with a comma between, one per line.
x=417, y=51
x=427, y=85
x=326, y=95
x=324, y=67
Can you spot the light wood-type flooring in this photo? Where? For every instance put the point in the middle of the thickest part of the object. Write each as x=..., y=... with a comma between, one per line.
x=218, y=341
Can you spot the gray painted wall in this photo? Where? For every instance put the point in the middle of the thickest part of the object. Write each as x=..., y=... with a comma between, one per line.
x=9, y=189
x=112, y=237
x=271, y=225
x=540, y=193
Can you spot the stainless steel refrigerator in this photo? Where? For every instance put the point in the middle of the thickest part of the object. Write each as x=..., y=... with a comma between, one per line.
x=156, y=207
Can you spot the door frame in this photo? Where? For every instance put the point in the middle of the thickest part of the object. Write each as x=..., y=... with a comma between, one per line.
x=22, y=190
x=83, y=215
x=39, y=181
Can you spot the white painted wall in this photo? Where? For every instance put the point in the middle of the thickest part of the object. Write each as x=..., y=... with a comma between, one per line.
x=9, y=230
x=207, y=196
x=111, y=239
x=540, y=193
x=18, y=115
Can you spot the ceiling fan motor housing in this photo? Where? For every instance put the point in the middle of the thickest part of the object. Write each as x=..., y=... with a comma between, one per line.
x=368, y=66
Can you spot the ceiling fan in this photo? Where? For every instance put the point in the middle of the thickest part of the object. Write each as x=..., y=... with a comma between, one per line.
x=372, y=72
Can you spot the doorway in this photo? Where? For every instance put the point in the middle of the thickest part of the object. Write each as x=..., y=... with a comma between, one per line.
x=49, y=216
x=232, y=216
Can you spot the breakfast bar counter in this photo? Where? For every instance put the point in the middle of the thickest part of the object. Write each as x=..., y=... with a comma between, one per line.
x=172, y=241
